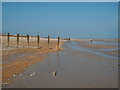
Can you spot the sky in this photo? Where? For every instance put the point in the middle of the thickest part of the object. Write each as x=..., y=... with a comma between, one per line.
x=65, y=19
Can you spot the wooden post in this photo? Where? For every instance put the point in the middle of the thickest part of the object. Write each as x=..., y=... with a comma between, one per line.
x=58, y=42
x=17, y=40
x=8, y=37
x=28, y=40
x=48, y=41
x=38, y=40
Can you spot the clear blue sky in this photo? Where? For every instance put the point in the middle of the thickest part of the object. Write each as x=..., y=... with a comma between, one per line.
x=74, y=20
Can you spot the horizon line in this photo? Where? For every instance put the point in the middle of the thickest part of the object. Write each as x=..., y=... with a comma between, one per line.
x=59, y=0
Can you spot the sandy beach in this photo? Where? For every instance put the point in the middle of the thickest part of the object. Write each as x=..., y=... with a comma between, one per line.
x=59, y=44
x=79, y=64
x=16, y=60
x=107, y=46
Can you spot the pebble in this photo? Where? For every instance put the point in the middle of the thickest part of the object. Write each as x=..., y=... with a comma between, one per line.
x=5, y=83
x=54, y=73
x=32, y=74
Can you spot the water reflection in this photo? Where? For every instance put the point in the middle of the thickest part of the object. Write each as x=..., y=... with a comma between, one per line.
x=48, y=64
x=74, y=45
x=58, y=61
x=55, y=65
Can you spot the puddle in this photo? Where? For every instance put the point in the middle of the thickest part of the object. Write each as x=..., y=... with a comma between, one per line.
x=105, y=49
x=102, y=43
x=74, y=45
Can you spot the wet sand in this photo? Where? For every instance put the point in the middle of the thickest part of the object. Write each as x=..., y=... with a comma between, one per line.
x=76, y=67
x=100, y=46
x=105, y=46
x=16, y=60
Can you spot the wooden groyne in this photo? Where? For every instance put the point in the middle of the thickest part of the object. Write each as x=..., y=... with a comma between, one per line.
x=28, y=38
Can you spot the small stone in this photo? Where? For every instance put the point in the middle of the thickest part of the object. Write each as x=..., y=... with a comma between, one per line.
x=31, y=75
x=14, y=75
x=5, y=83
x=54, y=73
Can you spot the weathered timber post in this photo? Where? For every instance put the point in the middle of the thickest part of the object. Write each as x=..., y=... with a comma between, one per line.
x=38, y=40
x=28, y=40
x=48, y=41
x=8, y=37
x=17, y=40
x=58, y=42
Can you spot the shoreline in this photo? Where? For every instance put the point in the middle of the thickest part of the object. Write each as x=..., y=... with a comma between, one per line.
x=101, y=47
x=75, y=68
x=16, y=60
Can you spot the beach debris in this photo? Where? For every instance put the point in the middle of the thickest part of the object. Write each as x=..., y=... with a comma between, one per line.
x=14, y=75
x=54, y=73
x=18, y=74
x=5, y=83
x=32, y=74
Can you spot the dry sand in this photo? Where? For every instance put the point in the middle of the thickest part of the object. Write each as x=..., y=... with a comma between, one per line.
x=16, y=60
